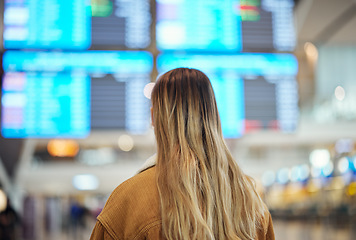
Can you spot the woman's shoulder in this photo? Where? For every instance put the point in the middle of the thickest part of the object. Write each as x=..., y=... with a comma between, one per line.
x=132, y=206
x=142, y=181
x=266, y=231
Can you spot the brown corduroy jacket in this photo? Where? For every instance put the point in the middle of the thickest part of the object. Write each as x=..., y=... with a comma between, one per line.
x=132, y=212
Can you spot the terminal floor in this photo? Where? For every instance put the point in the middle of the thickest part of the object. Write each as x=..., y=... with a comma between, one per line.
x=305, y=229
x=284, y=230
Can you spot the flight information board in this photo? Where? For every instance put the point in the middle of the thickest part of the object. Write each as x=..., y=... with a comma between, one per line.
x=253, y=91
x=229, y=91
x=256, y=64
x=200, y=24
x=45, y=105
x=50, y=24
x=121, y=23
x=112, y=97
x=117, y=102
x=76, y=24
x=90, y=61
x=225, y=26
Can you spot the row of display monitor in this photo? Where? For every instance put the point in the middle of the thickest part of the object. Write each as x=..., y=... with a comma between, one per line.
x=68, y=94
x=197, y=26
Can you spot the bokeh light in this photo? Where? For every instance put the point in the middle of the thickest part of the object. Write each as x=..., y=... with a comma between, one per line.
x=351, y=189
x=126, y=143
x=85, y=182
x=304, y=172
x=340, y=93
x=315, y=172
x=294, y=174
x=311, y=50
x=328, y=169
x=268, y=178
x=319, y=158
x=3, y=200
x=283, y=175
x=343, y=165
x=62, y=148
x=148, y=90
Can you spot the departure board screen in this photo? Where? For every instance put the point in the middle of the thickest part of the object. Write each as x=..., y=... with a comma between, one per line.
x=225, y=26
x=271, y=103
x=50, y=24
x=123, y=62
x=200, y=24
x=72, y=93
x=121, y=23
x=76, y=24
x=229, y=91
x=45, y=105
x=117, y=102
x=253, y=91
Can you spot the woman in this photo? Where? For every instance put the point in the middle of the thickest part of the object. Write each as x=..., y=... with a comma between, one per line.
x=195, y=190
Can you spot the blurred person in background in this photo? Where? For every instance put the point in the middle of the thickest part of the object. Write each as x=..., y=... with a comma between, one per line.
x=9, y=221
x=193, y=188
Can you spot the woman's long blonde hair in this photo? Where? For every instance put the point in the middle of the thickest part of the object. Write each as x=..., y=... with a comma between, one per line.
x=203, y=192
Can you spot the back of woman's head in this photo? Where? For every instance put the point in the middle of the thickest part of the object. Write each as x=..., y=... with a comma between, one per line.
x=204, y=194
x=184, y=108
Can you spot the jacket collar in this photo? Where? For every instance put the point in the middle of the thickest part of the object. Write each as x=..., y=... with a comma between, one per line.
x=150, y=162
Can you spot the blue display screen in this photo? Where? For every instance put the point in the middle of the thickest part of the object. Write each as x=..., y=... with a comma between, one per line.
x=41, y=105
x=76, y=24
x=198, y=25
x=48, y=94
x=253, y=91
x=50, y=24
x=89, y=62
x=229, y=93
x=225, y=25
x=259, y=64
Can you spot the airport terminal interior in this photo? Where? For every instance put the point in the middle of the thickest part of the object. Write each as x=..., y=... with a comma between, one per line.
x=76, y=81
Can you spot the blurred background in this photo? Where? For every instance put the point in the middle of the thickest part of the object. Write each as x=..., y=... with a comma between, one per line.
x=75, y=111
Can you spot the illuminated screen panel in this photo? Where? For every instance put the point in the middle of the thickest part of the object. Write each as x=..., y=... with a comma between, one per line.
x=271, y=103
x=115, y=97
x=229, y=91
x=257, y=64
x=49, y=24
x=118, y=102
x=284, y=38
x=76, y=24
x=253, y=91
x=260, y=106
x=121, y=23
x=45, y=105
x=125, y=62
x=198, y=25
x=228, y=25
